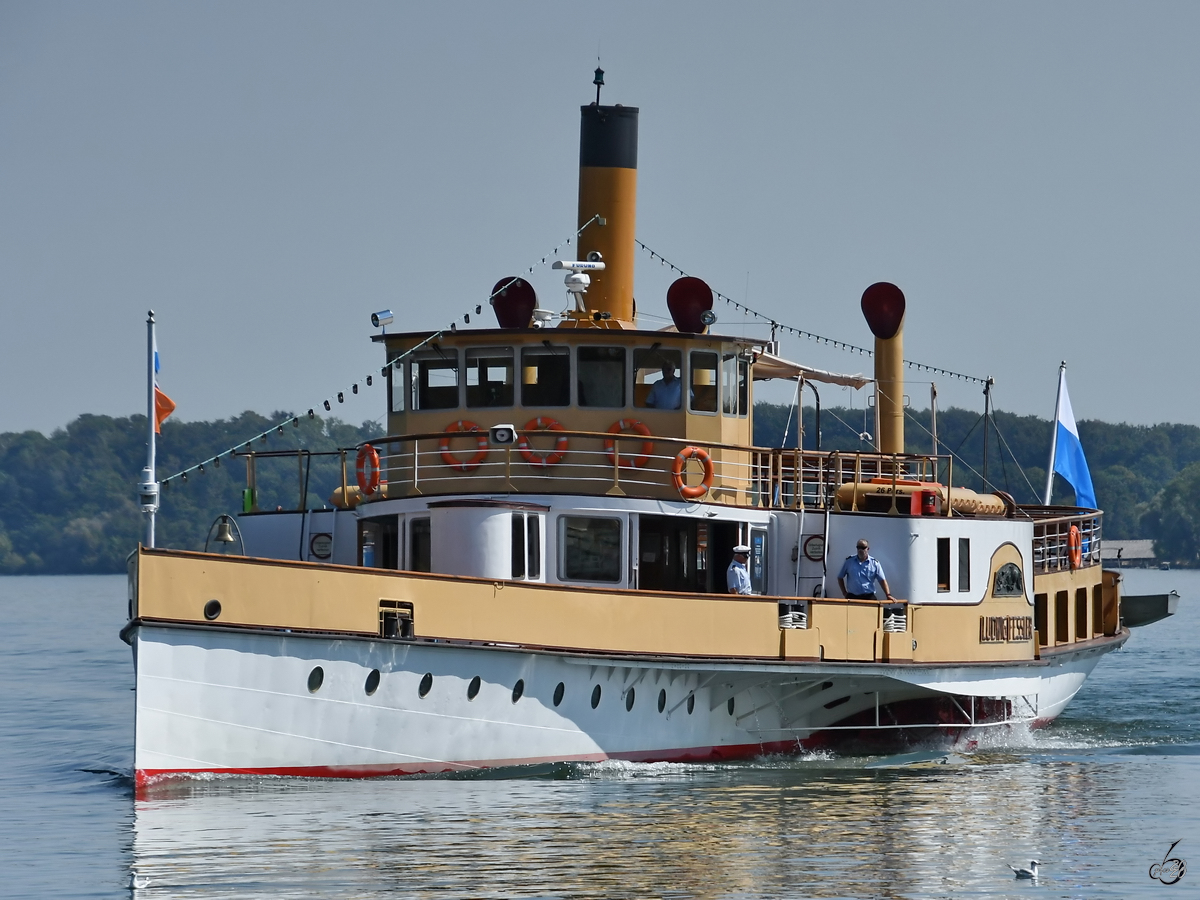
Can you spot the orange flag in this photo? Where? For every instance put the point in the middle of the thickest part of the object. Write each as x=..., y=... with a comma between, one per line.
x=163, y=407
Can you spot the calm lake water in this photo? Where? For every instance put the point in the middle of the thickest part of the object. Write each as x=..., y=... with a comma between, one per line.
x=1097, y=798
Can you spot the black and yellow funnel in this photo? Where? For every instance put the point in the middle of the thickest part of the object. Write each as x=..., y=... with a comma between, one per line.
x=608, y=143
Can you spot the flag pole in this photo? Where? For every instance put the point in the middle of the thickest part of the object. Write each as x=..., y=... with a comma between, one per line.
x=1062, y=369
x=148, y=489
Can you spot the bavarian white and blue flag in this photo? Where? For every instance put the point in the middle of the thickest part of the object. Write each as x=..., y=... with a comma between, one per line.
x=1069, y=461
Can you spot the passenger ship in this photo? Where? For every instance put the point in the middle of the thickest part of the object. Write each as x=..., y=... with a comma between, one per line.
x=531, y=565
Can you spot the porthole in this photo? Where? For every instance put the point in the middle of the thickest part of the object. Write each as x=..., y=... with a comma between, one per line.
x=372, y=684
x=629, y=700
x=518, y=689
x=473, y=688
x=729, y=706
x=559, y=692
x=315, y=679
x=691, y=703
x=595, y=696
x=662, y=699
x=426, y=684
x=212, y=609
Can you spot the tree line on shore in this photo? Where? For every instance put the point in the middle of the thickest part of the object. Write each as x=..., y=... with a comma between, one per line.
x=68, y=501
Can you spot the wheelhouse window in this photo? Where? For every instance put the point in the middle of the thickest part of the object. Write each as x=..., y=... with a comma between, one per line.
x=490, y=377
x=546, y=376
x=395, y=385
x=735, y=384
x=435, y=380
x=702, y=395
x=657, y=378
x=590, y=549
x=600, y=377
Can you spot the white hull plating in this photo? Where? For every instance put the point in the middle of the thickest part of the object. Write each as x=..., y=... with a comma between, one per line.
x=227, y=701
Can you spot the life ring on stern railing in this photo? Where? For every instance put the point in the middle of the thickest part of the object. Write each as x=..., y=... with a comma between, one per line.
x=620, y=427
x=555, y=456
x=1075, y=547
x=693, y=491
x=464, y=426
x=368, y=458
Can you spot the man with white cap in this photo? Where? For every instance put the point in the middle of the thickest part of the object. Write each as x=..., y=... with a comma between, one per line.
x=736, y=575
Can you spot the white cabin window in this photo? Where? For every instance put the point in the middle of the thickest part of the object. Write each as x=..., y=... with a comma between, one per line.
x=964, y=564
x=590, y=549
x=533, y=547
x=758, y=560
x=526, y=546
x=943, y=565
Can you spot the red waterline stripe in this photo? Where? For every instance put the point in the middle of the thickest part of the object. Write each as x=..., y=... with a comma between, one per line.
x=147, y=777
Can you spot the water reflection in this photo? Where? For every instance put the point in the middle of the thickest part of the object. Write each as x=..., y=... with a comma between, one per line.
x=773, y=828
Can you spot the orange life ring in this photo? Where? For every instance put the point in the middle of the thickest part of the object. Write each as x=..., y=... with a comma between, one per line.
x=1075, y=547
x=620, y=427
x=463, y=425
x=554, y=457
x=693, y=491
x=367, y=456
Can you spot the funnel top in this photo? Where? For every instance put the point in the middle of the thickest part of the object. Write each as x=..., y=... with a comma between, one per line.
x=608, y=137
x=883, y=307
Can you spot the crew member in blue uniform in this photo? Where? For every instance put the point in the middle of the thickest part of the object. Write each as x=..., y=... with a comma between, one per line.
x=667, y=392
x=860, y=572
x=736, y=576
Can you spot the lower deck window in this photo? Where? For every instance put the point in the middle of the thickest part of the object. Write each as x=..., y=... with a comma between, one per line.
x=590, y=549
x=419, y=548
x=943, y=564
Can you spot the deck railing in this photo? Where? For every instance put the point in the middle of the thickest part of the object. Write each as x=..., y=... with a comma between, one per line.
x=1052, y=539
x=600, y=463
x=629, y=465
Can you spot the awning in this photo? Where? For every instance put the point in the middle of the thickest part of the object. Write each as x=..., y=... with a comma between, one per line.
x=767, y=365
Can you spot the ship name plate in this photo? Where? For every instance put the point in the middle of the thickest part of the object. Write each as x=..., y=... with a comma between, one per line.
x=1005, y=629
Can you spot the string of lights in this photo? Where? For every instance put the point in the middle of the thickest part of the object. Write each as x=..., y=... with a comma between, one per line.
x=368, y=380
x=799, y=332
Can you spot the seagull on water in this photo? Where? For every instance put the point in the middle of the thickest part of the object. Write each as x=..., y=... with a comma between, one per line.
x=136, y=881
x=1031, y=872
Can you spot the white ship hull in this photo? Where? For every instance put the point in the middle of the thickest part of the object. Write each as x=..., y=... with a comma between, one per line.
x=228, y=701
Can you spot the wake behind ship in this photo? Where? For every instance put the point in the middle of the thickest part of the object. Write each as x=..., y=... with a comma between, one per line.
x=532, y=565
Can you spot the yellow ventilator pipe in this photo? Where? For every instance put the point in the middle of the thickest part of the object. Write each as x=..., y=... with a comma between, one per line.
x=883, y=306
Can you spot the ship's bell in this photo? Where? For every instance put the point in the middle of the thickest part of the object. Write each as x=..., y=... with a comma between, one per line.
x=224, y=533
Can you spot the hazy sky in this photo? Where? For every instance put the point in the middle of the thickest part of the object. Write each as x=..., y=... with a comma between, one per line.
x=265, y=175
